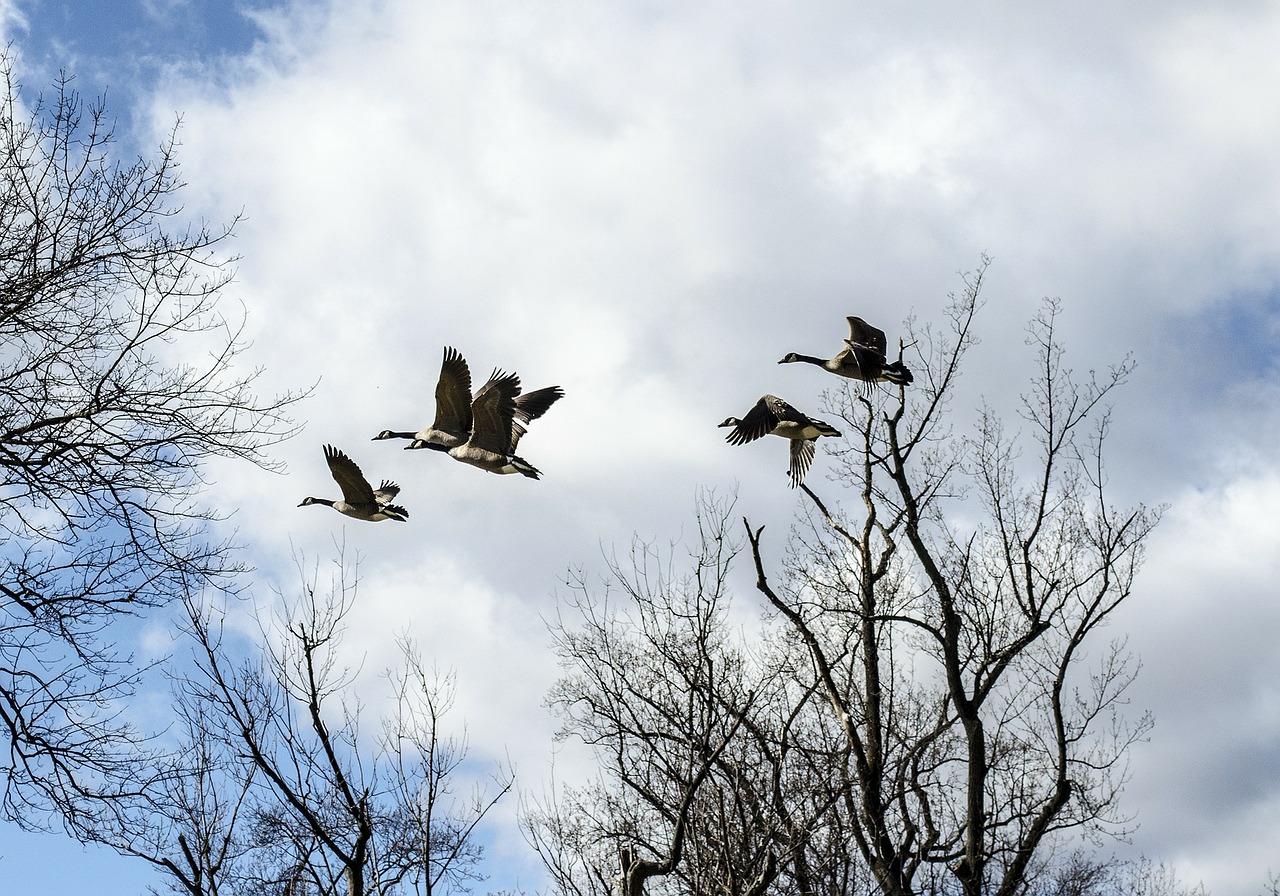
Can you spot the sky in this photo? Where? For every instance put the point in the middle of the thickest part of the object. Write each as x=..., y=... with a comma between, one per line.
x=649, y=203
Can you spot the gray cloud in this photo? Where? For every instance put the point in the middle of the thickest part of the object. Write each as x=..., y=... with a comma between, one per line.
x=648, y=204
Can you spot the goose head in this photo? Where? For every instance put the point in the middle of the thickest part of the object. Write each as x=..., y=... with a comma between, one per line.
x=732, y=421
x=789, y=358
x=385, y=434
x=309, y=501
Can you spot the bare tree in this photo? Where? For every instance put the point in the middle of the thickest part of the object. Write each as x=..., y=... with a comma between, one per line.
x=189, y=822
x=648, y=693
x=280, y=791
x=1085, y=873
x=949, y=636
x=118, y=380
x=929, y=706
x=438, y=840
x=706, y=744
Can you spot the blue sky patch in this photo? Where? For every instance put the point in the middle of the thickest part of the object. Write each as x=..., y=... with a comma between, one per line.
x=119, y=46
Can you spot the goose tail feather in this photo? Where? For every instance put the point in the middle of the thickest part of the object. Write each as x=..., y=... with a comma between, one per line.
x=524, y=468
x=898, y=373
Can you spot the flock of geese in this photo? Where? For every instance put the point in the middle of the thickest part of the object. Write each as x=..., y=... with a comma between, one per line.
x=483, y=430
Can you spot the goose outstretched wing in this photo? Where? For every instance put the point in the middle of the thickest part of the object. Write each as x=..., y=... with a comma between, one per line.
x=862, y=333
x=759, y=422
x=355, y=488
x=453, y=395
x=532, y=405
x=492, y=411
x=802, y=451
x=386, y=492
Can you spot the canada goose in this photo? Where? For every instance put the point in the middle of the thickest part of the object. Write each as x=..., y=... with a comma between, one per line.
x=359, y=499
x=773, y=416
x=863, y=357
x=452, y=424
x=494, y=432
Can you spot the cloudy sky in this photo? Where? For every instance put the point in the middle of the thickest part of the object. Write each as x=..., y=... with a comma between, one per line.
x=648, y=203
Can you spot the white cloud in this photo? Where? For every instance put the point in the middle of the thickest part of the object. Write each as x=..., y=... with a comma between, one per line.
x=908, y=123
x=648, y=204
x=1203, y=622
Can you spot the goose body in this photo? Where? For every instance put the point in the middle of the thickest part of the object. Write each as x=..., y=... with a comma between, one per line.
x=494, y=430
x=453, y=421
x=773, y=416
x=360, y=500
x=862, y=358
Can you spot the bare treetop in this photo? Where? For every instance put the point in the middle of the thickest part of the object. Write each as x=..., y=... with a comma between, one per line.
x=120, y=375
x=932, y=705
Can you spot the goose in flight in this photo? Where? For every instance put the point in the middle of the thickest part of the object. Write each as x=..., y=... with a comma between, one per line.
x=773, y=416
x=452, y=425
x=360, y=500
x=862, y=358
x=494, y=431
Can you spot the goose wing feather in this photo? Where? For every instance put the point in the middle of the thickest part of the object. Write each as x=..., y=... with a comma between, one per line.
x=802, y=451
x=862, y=333
x=866, y=359
x=492, y=411
x=453, y=395
x=759, y=422
x=532, y=405
x=782, y=411
x=355, y=488
x=517, y=430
